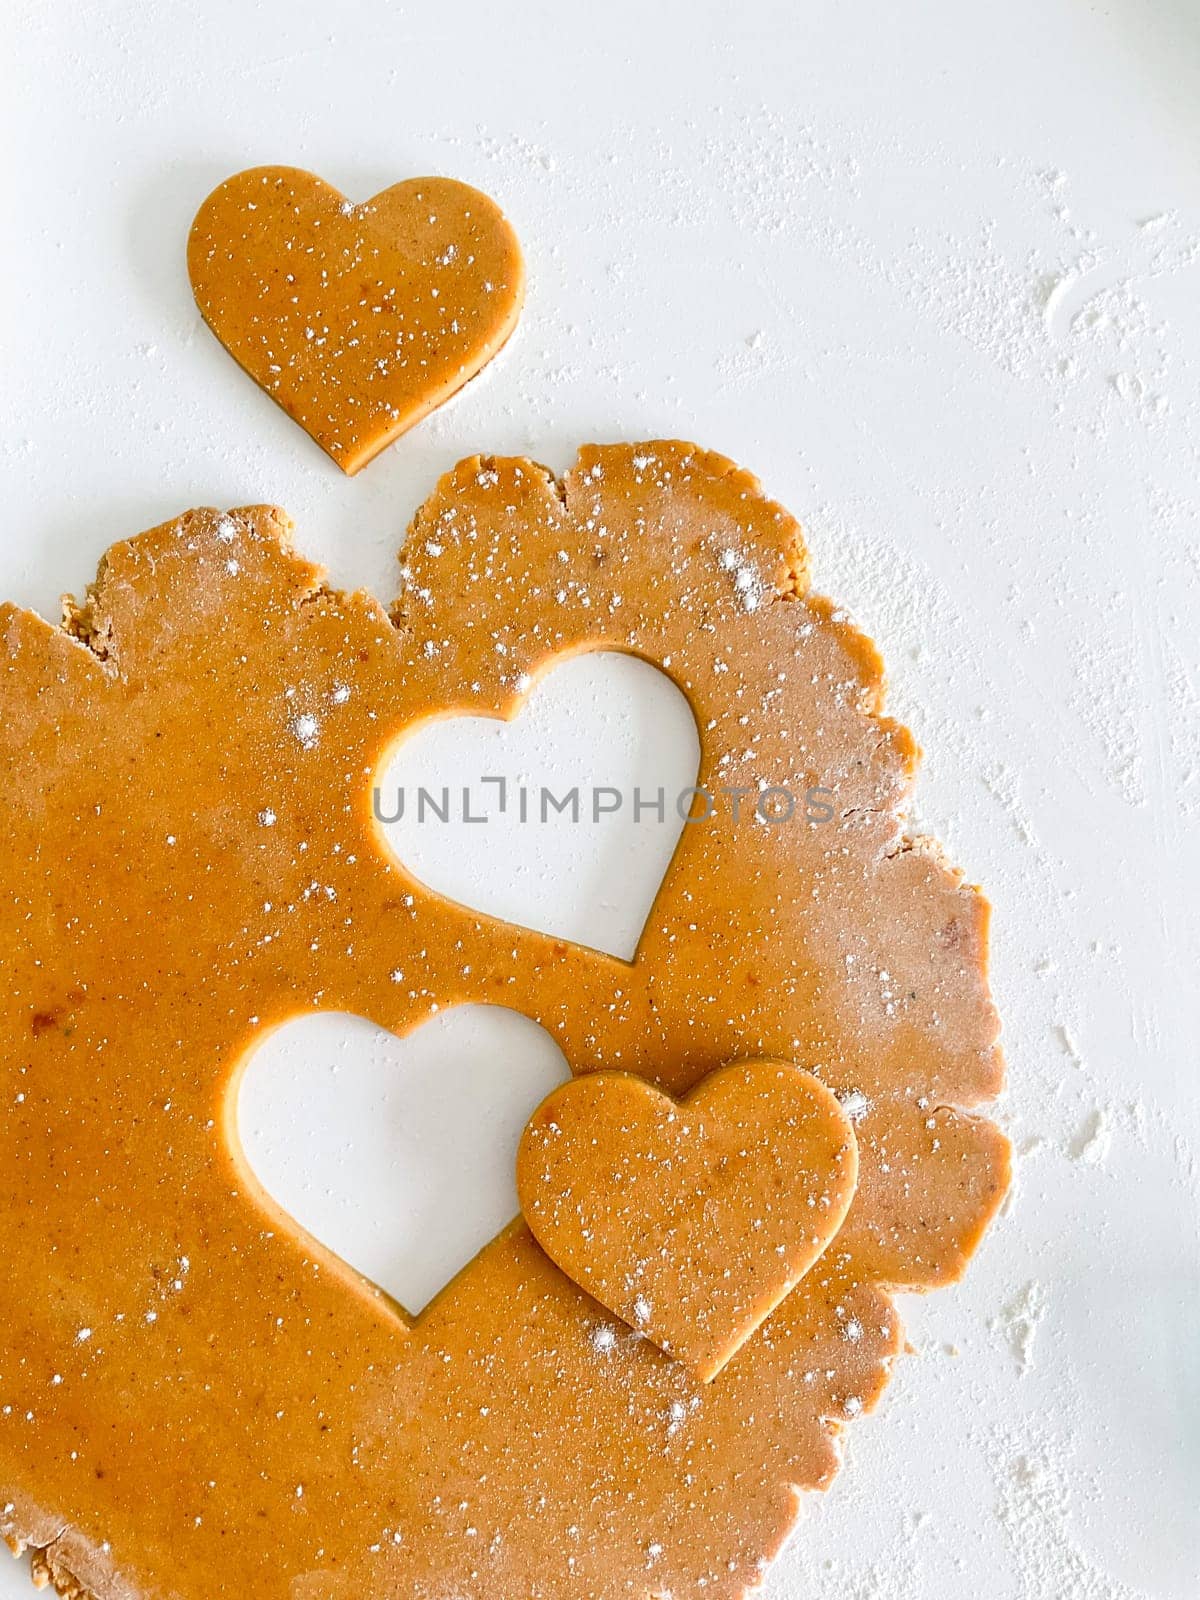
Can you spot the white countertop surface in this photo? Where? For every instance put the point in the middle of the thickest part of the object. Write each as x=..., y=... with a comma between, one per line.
x=933, y=272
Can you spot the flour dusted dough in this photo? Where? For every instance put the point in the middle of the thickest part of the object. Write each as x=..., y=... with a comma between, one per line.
x=357, y=319
x=195, y=1399
x=690, y=1220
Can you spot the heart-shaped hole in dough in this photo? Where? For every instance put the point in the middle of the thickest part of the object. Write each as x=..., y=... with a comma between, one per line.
x=397, y=1155
x=603, y=725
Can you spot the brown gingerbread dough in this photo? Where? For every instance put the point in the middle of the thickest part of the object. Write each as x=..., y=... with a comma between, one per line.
x=358, y=319
x=690, y=1220
x=195, y=1398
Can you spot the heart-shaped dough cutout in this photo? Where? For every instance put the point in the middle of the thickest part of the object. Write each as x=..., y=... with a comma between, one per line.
x=358, y=319
x=395, y=1153
x=602, y=735
x=690, y=1220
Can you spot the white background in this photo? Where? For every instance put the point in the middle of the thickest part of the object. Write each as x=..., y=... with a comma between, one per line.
x=933, y=271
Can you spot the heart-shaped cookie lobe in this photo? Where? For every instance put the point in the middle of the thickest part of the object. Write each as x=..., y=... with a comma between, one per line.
x=690, y=1220
x=357, y=319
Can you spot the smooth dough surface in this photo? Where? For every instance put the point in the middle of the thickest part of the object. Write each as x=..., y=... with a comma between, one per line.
x=357, y=319
x=195, y=1399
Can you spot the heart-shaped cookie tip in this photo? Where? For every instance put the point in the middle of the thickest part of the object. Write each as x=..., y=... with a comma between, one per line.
x=357, y=319
x=690, y=1220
